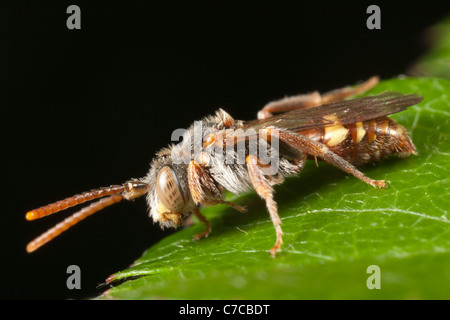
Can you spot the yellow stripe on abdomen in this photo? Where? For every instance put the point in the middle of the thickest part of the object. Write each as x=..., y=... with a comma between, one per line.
x=335, y=135
x=360, y=132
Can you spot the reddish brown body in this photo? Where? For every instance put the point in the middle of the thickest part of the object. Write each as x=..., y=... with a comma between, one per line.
x=345, y=133
x=364, y=141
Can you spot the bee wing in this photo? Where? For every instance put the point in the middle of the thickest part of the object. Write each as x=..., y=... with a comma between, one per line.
x=338, y=113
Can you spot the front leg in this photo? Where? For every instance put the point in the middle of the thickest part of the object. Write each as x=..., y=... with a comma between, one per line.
x=204, y=191
x=203, y=219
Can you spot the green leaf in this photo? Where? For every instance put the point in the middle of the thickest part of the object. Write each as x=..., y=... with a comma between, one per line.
x=335, y=228
x=436, y=63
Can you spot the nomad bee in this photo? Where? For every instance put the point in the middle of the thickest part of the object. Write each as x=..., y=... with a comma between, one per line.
x=234, y=155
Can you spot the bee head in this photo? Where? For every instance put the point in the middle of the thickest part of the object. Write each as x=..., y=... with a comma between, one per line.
x=168, y=196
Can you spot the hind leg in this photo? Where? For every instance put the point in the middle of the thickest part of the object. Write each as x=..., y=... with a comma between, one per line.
x=314, y=99
x=305, y=145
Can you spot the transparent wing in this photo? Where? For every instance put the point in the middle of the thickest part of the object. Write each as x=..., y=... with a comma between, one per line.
x=341, y=112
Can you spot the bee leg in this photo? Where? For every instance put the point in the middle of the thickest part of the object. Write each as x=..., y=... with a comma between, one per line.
x=203, y=219
x=348, y=92
x=290, y=103
x=212, y=202
x=306, y=145
x=203, y=188
x=314, y=99
x=201, y=184
x=204, y=191
x=264, y=189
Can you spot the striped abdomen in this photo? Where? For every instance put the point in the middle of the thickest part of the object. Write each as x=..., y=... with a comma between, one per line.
x=365, y=141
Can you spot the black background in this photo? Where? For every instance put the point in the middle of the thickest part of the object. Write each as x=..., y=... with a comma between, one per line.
x=87, y=108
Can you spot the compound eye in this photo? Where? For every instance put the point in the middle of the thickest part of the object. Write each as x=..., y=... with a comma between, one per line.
x=168, y=190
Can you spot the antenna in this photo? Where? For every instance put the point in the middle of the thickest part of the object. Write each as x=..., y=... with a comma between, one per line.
x=116, y=193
